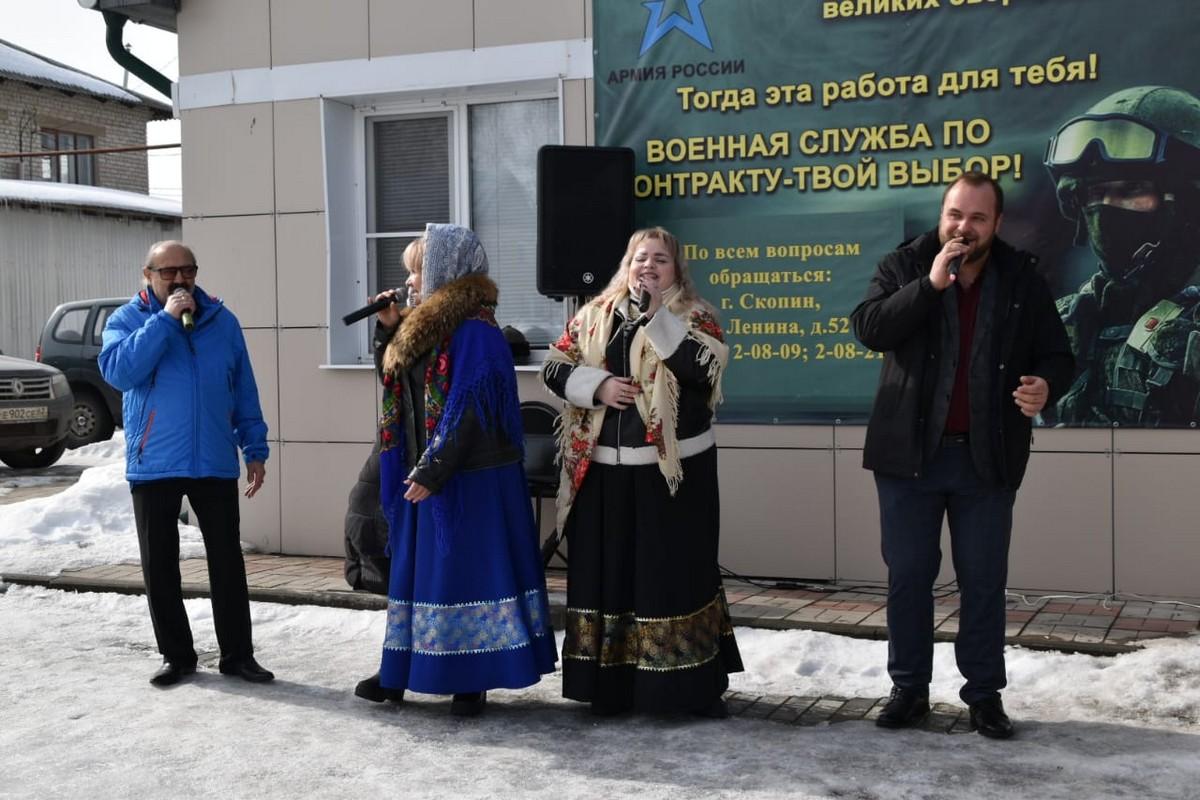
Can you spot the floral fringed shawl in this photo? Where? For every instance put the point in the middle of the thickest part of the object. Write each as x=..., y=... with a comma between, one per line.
x=584, y=342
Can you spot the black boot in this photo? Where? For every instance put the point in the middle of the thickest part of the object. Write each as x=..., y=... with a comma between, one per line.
x=171, y=672
x=247, y=669
x=468, y=704
x=905, y=708
x=988, y=717
x=371, y=689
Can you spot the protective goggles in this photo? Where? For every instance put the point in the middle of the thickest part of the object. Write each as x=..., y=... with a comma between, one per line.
x=1115, y=139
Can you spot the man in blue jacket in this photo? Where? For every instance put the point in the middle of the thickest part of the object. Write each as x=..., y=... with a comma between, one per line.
x=190, y=402
x=974, y=351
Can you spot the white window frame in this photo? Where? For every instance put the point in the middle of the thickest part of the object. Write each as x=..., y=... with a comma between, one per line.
x=456, y=103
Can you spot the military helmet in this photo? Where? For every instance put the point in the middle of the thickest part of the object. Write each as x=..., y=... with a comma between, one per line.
x=1140, y=133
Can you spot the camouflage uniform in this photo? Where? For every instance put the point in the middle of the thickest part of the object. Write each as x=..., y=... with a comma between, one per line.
x=1144, y=373
x=1135, y=325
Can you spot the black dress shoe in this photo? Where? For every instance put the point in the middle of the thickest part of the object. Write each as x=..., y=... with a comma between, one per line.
x=171, y=672
x=371, y=689
x=468, y=704
x=714, y=710
x=248, y=670
x=905, y=708
x=988, y=717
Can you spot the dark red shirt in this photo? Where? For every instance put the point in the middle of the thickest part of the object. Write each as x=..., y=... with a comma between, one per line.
x=959, y=418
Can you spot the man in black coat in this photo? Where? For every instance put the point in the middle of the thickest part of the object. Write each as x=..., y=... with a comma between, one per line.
x=974, y=350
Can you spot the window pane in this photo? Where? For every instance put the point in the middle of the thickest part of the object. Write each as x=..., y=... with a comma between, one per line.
x=48, y=163
x=385, y=255
x=70, y=326
x=85, y=170
x=504, y=140
x=412, y=173
x=98, y=328
x=84, y=164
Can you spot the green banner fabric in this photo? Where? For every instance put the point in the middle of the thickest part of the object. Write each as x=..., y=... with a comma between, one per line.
x=791, y=144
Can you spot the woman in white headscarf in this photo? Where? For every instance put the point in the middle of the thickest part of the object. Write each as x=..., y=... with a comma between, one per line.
x=467, y=606
x=640, y=370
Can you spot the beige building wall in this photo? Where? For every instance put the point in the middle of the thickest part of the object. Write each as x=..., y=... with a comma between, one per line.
x=1100, y=510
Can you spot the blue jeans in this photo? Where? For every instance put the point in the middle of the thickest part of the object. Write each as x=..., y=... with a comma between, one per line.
x=980, y=515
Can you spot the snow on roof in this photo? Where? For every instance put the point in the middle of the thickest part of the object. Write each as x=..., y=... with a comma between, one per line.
x=69, y=194
x=17, y=62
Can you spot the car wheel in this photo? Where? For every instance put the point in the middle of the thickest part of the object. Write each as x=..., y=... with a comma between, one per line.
x=90, y=420
x=33, y=457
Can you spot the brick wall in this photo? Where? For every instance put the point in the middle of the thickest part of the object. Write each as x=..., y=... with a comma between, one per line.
x=24, y=110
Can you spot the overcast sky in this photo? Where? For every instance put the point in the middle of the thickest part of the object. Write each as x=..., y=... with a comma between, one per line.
x=64, y=31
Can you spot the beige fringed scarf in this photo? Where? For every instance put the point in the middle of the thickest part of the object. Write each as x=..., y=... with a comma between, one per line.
x=584, y=343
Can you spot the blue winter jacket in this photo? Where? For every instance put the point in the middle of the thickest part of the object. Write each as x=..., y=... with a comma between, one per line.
x=190, y=398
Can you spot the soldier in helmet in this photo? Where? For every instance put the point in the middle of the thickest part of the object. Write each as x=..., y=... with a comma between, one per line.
x=1128, y=173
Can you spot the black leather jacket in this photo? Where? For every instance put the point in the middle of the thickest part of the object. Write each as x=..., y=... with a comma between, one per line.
x=470, y=448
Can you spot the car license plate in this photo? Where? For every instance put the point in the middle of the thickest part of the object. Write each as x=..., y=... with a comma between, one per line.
x=30, y=414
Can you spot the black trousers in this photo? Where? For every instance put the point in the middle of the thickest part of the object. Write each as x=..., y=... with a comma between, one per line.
x=980, y=517
x=156, y=507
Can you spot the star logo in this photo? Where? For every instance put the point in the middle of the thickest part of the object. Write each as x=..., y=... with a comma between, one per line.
x=659, y=24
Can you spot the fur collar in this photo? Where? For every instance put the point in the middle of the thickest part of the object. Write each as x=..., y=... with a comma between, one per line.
x=424, y=327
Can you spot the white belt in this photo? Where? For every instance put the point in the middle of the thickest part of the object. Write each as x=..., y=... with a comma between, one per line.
x=639, y=456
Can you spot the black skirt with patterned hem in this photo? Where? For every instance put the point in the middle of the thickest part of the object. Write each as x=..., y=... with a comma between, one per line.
x=647, y=623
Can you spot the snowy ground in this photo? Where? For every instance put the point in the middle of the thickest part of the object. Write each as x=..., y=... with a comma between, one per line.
x=78, y=717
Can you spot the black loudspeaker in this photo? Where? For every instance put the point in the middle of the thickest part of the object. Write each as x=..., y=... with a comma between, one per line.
x=585, y=217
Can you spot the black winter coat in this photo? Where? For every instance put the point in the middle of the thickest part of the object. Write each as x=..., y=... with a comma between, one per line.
x=367, y=563
x=902, y=316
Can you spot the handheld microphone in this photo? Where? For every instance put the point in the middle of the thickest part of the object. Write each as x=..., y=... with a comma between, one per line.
x=372, y=308
x=956, y=262
x=952, y=267
x=643, y=302
x=186, y=319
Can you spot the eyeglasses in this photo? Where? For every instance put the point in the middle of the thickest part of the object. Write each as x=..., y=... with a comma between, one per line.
x=169, y=273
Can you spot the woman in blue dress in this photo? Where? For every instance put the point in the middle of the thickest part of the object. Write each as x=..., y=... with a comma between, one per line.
x=467, y=606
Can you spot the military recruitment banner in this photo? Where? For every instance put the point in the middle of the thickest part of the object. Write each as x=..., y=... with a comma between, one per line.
x=793, y=143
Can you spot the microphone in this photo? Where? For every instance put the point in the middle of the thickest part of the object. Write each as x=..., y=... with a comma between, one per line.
x=643, y=302
x=186, y=319
x=371, y=308
x=952, y=267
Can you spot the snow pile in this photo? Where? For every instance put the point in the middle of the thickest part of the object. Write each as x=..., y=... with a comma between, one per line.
x=1159, y=684
x=47, y=193
x=86, y=525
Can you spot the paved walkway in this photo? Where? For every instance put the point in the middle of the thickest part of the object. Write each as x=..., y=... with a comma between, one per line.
x=1089, y=625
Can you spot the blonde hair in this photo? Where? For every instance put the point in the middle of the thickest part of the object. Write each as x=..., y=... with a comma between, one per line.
x=620, y=281
x=414, y=255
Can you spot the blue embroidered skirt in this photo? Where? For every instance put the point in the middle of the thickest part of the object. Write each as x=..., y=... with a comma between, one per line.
x=474, y=616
